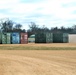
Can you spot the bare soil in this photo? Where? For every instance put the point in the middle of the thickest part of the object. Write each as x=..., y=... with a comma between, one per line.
x=38, y=62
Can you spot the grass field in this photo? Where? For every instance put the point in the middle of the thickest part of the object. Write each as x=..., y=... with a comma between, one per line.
x=38, y=59
x=33, y=46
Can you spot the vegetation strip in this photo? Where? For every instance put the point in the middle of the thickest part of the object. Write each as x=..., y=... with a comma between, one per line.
x=35, y=48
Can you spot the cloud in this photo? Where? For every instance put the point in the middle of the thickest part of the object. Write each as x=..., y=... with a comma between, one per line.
x=43, y=12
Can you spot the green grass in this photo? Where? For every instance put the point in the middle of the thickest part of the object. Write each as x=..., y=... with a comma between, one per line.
x=35, y=48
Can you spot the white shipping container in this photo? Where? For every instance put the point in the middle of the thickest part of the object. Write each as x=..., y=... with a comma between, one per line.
x=72, y=38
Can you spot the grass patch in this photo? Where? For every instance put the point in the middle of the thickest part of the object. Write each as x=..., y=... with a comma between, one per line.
x=35, y=48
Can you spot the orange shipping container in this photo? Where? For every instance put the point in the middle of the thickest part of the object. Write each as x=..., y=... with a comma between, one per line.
x=24, y=38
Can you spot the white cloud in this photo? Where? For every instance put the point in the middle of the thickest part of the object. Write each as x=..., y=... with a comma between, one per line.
x=6, y=4
x=8, y=1
x=52, y=12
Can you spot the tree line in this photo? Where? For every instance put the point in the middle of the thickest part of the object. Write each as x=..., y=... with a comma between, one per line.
x=7, y=25
x=33, y=29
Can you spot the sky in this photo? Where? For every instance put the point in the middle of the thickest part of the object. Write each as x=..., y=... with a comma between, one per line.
x=50, y=13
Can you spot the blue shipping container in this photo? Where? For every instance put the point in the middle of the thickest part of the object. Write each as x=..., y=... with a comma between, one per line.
x=15, y=38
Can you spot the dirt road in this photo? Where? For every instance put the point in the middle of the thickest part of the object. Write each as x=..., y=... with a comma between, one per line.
x=37, y=62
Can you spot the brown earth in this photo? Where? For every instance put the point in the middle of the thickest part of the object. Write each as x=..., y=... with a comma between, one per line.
x=38, y=62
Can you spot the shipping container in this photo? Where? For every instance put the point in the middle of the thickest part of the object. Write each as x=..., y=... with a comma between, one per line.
x=49, y=37
x=42, y=37
x=65, y=38
x=0, y=38
x=15, y=38
x=24, y=38
x=4, y=38
x=8, y=38
x=60, y=37
x=72, y=38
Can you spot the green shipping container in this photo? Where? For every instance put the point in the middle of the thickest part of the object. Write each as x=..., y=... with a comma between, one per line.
x=4, y=39
x=0, y=38
x=40, y=38
x=60, y=37
x=49, y=37
x=65, y=37
x=8, y=38
x=57, y=38
x=43, y=37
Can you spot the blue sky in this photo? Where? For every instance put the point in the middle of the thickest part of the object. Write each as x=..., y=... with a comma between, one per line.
x=50, y=13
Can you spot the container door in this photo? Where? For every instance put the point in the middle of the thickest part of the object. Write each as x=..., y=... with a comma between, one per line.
x=65, y=37
x=24, y=38
x=58, y=37
x=40, y=38
x=4, y=38
x=49, y=37
x=15, y=38
x=8, y=38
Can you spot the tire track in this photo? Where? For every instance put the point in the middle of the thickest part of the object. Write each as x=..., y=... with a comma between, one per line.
x=11, y=64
